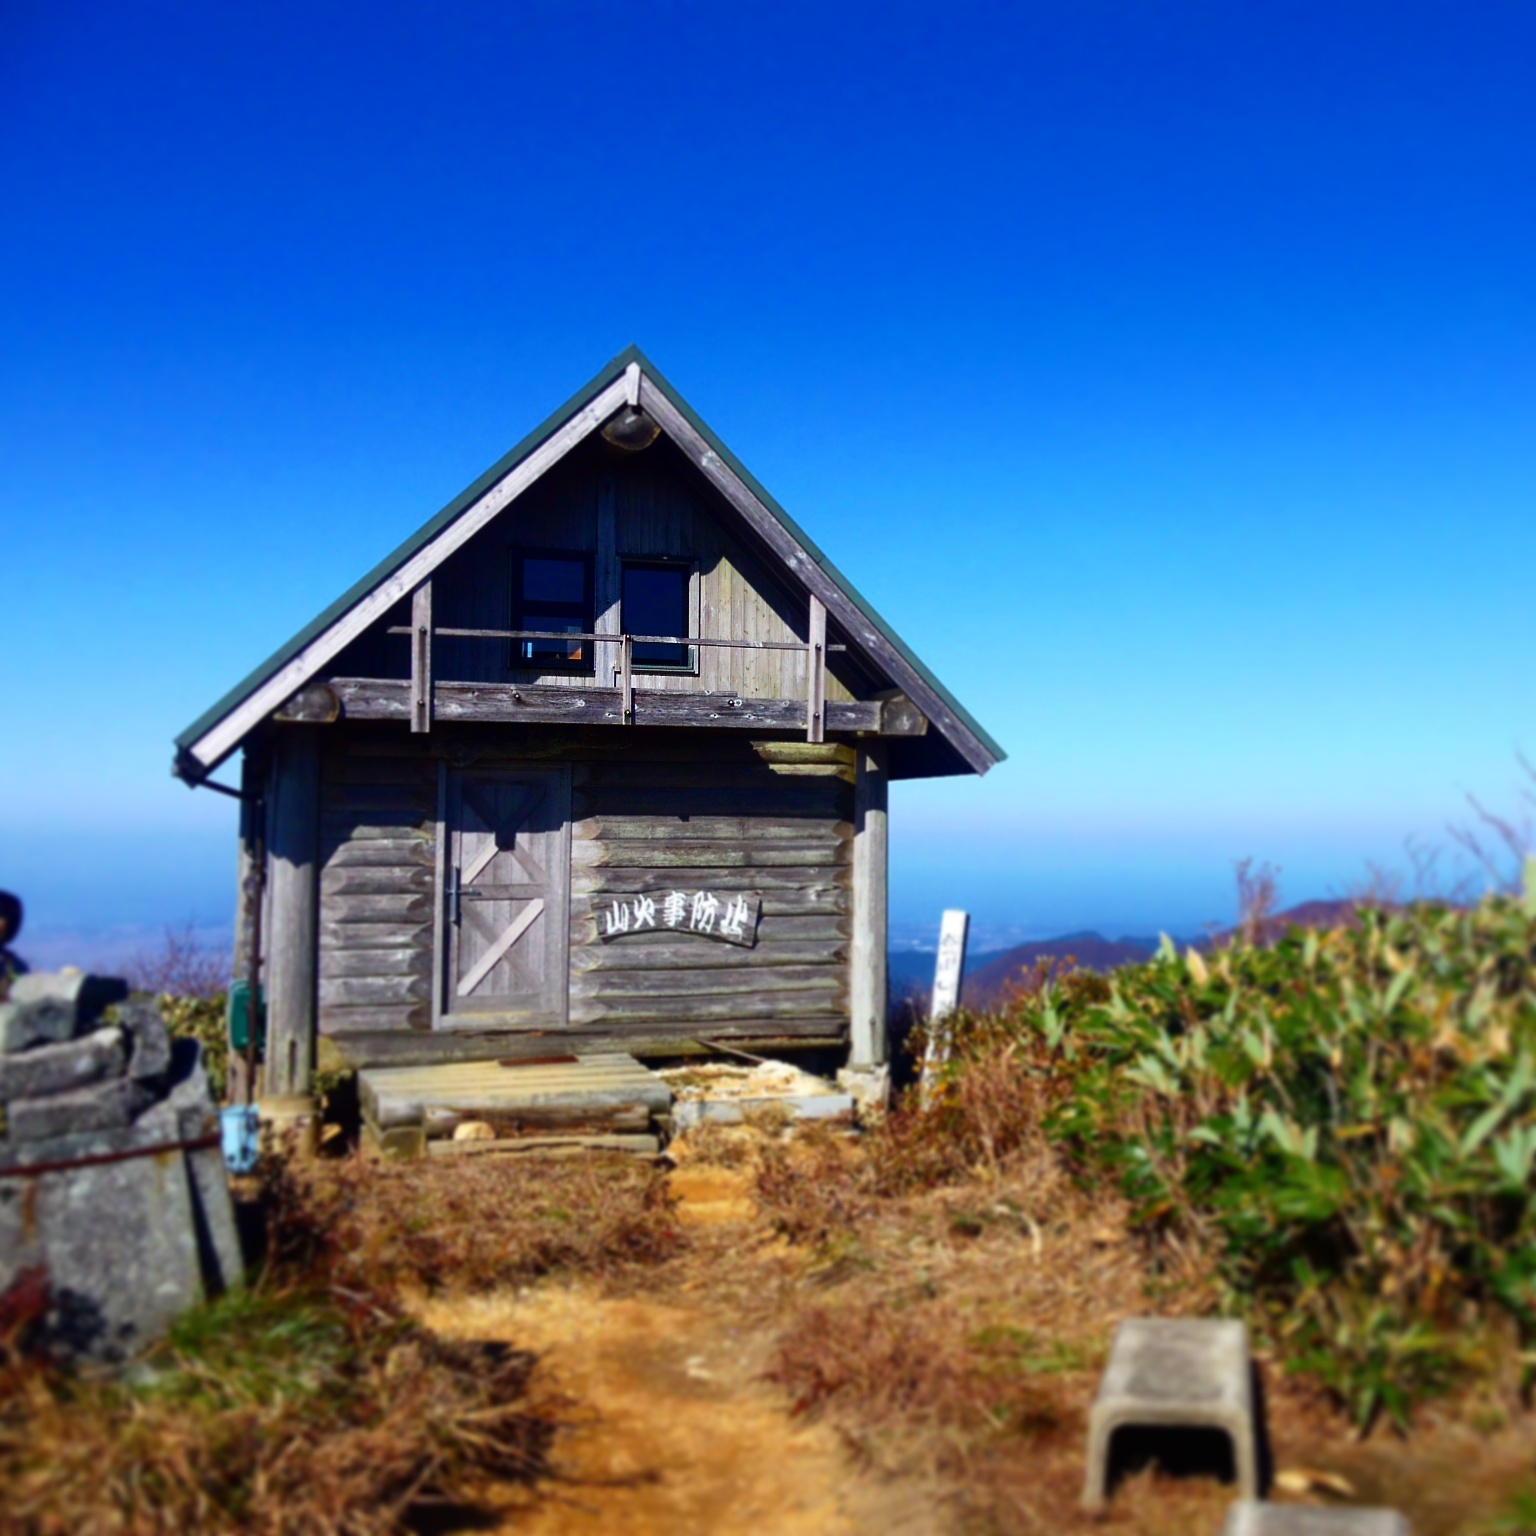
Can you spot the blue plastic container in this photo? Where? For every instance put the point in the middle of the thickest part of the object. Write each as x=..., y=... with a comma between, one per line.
x=240, y=1128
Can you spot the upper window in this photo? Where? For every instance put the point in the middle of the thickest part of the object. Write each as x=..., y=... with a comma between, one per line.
x=553, y=593
x=654, y=601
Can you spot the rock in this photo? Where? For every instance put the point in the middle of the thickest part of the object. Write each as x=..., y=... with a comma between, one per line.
x=474, y=1130
x=151, y=1041
x=48, y=1006
x=102, y=1105
x=119, y=1243
x=60, y=1068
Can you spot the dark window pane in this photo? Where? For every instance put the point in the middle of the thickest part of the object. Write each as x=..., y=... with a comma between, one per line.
x=655, y=602
x=562, y=651
x=553, y=581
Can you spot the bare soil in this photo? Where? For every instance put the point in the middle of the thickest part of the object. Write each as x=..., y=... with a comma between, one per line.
x=689, y=1410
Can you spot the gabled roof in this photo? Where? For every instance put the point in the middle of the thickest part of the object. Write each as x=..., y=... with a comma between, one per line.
x=630, y=378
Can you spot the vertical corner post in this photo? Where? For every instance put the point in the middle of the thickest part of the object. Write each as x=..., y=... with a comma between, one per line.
x=868, y=982
x=627, y=677
x=293, y=852
x=421, y=658
x=816, y=669
x=605, y=653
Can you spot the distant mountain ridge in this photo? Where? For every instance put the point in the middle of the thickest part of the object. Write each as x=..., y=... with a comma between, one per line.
x=985, y=986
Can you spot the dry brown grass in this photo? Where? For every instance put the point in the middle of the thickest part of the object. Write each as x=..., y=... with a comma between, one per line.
x=478, y=1223
x=307, y=1403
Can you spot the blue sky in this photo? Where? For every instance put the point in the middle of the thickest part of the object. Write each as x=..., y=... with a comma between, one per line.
x=1164, y=372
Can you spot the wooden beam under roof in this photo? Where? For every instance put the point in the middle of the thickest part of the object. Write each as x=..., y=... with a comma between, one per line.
x=368, y=698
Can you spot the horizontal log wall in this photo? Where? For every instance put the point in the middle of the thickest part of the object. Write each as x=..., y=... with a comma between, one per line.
x=720, y=814
x=378, y=828
x=780, y=827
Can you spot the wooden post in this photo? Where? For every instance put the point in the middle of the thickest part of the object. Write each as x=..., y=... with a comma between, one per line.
x=293, y=840
x=421, y=658
x=816, y=668
x=606, y=584
x=868, y=982
x=238, y=1088
x=627, y=678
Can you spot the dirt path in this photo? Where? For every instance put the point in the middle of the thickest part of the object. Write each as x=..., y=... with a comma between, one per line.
x=675, y=1430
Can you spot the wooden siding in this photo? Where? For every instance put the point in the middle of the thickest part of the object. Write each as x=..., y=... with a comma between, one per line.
x=657, y=514
x=697, y=812
x=775, y=820
x=378, y=828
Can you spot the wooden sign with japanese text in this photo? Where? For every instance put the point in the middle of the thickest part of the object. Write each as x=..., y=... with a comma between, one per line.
x=730, y=916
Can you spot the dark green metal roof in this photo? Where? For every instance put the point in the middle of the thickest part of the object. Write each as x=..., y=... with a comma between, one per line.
x=472, y=493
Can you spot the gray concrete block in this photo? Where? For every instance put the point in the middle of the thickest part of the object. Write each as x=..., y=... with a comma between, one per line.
x=119, y=1241
x=1190, y=1373
x=1249, y=1517
x=48, y=1006
x=62, y=1067
x=151, y=1041
x=100, y=1106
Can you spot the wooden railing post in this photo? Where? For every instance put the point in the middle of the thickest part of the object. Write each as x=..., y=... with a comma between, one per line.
x=421, y=658
x=627, y=678
x=816, y=668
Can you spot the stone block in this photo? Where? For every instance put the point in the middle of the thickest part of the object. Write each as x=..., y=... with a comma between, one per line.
x=48, y=1006
x=119, y=1241
x=101, y=1106
x=1179, y=1373
x=62, y=1067
x=1249, y=1517
x=151, y=1041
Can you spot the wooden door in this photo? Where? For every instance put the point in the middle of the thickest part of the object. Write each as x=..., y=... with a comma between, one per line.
x=505, y=896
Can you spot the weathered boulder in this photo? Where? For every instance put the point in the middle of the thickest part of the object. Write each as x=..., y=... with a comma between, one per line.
x=97, y=1107
x=62, y=1067
x=48, y=1006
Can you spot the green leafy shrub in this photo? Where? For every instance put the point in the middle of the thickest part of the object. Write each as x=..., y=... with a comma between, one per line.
x=201, y=1019
x=1343, y=1121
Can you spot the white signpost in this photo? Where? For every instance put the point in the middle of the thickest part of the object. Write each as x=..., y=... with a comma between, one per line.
x=947, y=972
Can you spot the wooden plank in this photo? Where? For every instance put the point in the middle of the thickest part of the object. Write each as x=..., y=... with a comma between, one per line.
x=391, y=800
x=421, y=658
x=868, y=990
x=653, y=853
x=373, y=698
x=342, y=1019
x=338, y=828
x=529, y=1146
x=349, y=991
x=403, y=960
x=816, y=673
x=686, y=827
x=605, y=578
x=378, y=1048
x=667, y=954
x=416, y=906
x=293, y=837
x=829, y=800
x=227, y=733
x=713, y=982
x=866, y=636
x=371, y=935
x=381, y=852
x=692, y=1013
x=833, y=753
x=602, y=882
x=376, y=880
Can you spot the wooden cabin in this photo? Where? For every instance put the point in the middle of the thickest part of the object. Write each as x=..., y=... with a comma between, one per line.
x=597, y=759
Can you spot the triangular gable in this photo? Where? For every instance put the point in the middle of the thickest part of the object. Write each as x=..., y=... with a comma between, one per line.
x=628, y=380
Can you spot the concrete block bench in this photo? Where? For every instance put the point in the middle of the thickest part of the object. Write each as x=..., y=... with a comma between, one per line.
x=1175, y=1373
x=1248, y=1517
